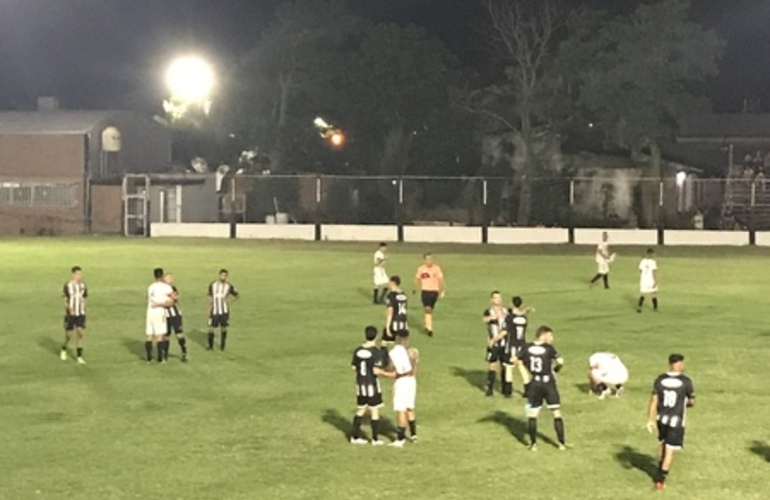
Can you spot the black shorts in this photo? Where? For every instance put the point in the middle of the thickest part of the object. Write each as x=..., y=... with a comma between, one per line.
x=513, y=349
x=495, y=354
x=537, y=392
x=219, y=320
x=429, y=299
x=73, y=322
x=370, y=401
x=671, y=436
x=175, y=324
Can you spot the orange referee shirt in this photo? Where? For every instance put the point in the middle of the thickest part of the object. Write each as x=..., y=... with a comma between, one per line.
x=429, y=277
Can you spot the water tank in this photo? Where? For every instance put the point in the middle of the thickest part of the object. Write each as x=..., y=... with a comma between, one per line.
x=111, y=141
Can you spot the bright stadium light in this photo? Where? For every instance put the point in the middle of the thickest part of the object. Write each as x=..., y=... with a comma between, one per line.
x=190, y=81
x=680, y=178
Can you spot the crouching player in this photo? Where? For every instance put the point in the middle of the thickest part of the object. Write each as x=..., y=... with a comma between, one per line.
x=607, y=374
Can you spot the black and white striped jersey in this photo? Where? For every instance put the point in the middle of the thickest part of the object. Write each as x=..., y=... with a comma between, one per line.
x=76, y=295
x=674, y=390
x=365, y=360
x=219, y=292
x=174, y=311
x=496, y=323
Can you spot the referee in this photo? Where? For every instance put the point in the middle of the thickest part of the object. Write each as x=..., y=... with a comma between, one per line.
x=430, y=280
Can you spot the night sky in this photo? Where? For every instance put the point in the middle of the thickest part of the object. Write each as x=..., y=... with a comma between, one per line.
x=111, y=53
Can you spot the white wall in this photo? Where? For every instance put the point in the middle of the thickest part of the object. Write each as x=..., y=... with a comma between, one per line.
x=523, y=235
x=190, y=230
x=646, y=237
x=442, y=234
x=763, y=238
x=304, y=232
x=359, y=233
x=723, y=238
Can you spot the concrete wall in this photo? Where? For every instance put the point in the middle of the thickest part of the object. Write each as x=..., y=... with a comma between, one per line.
x=190, y=230
x=617, y=236
x=359, y=233
x=304, y=232
x=707, y=238
x=518, y=236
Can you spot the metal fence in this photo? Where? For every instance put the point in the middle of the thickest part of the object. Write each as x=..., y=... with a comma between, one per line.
x=612, y=201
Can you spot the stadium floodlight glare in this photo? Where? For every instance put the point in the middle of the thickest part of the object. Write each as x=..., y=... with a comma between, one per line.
x=190, y=79
x=680, y=178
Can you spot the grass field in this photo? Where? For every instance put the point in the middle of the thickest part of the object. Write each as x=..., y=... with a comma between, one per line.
x=267, y=419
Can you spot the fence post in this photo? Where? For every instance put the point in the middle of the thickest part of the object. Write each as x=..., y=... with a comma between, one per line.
x=318, y=208
x=752, y=232
x=233, y=217
x=570, y=213
x=661, y=215
x=399, y=210
x=485, y=212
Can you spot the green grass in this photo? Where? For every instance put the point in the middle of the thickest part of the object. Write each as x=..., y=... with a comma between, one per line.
x=267, y=418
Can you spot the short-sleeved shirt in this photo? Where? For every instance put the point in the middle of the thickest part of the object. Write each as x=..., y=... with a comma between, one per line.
x=605, y=362
x=430, y=277
x=496, y=325
x=538, y=359
x=365, y=360
x=647, y=267
x=516, y=324
x=398, y=302
x=399, y=357
x=174, y=311
x=602, y=249
x=673, y=391
x=76, y=295
x=219, y=292
x=379, y=258
x=158, y=293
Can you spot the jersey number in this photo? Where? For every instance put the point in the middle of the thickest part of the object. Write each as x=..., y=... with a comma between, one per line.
x=536, y=365
x=362, y=369
x=669, y=399
x=402, y=309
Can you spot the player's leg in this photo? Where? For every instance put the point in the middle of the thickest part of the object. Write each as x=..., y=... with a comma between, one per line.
x=655, y=301
x=553, y=400
x=506, y=377
x=69, y=331
x=225, y=323
x=606, y=279
x=535, y=398
x=80, y=332
x=640, y=303
x=374, y=411
x=428, y=320
x=213, y=325
x=182, y=341
x=355, y=431
x=596, y=278
x=148, y=339
x=411, y=418
x=672, y=440
x=491, y=371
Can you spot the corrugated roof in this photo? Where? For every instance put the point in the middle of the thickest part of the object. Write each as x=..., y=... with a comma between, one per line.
x=52, y=122
x=734, y=126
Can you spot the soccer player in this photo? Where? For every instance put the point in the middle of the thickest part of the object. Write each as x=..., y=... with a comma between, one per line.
x=174, y=318
x=380, y=275
x=219, y=293
x=430, y=280
x=542, y=361
x=672, y=394
x=405, y=361
x=603, y=259
x=395, y=315
x=648, y=280
x=75, y=295
x=159, y=298
x=606, y=374
x=516, y=330
x=494, y=318
x=367, y=365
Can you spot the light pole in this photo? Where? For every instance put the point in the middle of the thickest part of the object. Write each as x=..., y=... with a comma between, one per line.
x=190, y=81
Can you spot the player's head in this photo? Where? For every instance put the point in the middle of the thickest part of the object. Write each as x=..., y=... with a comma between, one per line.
x=605, y=236
x=676, y=362
x=169, y=278
x=517, y=301
x=370, y=333
x=77, y=274
x=650, y=252
x=402, y=337
x=158, y=273
x=395, y=282
x=223, y=274
x=428, y=258
x=383, y=246
x=544, y=334
x=497, y=299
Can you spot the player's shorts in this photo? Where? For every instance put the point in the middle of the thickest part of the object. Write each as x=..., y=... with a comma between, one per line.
x=647, y=286
x=429, y=299
x=175, y=324
x=374, y=401
x=616, y=376
x=156, y=324
x=380, y=276
x=72, y=322
x=404, y=393
x=496, y=353
x=602, y=266
x=543, y=391
x=219, y=320
x=672, y=437
x=513, y=349
x=394, y=332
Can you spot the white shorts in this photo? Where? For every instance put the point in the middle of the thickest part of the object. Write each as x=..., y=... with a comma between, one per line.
x=157, y=325
x=603, y=266
x=404, y=394
x=380, y=276
x=647, y=286
x=617, y=376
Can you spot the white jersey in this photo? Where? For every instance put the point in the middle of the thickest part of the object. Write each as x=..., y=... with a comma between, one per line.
x=602, y=251
x=608, y=368
x=380, y=275
x=647, y=281
x=158, y=294
x=405, y=386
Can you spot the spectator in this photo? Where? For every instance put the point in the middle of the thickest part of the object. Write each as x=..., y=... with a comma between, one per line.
x=697, y=220
x=760, y=180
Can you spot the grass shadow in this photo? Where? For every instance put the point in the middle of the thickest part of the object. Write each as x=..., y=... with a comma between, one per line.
x=631, y=458
x=135, y=347
x=583, y=387
x=49, y=344
x=336, y=420
x=516, y=427
x=476, y=378
x=198, y=337
x=760, y=449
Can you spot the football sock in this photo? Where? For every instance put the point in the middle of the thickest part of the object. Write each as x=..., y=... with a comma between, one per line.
x=211, y=340
x=596, y=278
x=491, y=374
x=654, y=302
x=374, y=296
x=413, y=428
x=507, y=387
x=223, y=340
x=375, y=430
x=662, y=475
x=400, y=433
x=599, y=388
x=558, y=426
x=80, y=352
x=606, y=279
x=641, y=301
x=148, y=349
x=166, y=348
x=160, y=350
x=356, y=433
x=183, y=344
x=532, y=427
x=383, y=294
x=429, y=322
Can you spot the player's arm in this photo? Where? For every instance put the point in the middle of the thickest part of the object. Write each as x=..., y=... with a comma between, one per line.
x=441, y=284
x=388, y=317
x=526, y=375
x=690, y=395
x=559, y=364
x=655, y=278
x=66, y=299
x=652, y=412
x=415, y=362
x=232, y=295
x=417, y=284
x=210, y=299
x=380, y=372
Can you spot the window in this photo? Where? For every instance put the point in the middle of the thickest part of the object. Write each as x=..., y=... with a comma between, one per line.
x=37, y=194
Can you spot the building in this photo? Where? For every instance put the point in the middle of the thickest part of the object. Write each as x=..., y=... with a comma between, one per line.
x=61, y=170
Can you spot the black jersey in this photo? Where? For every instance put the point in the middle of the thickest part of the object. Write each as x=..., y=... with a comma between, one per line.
x=516, y=325
x=674, y=390
x=365, y=360
x=397, y=301
x=539, y=358
x=76, y=295
x=174, y=311
x=496, y=324
x=219, y=292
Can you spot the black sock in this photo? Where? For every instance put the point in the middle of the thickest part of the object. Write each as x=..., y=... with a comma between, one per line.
x=491, y=374
x=558, y=426
x=599, y=388
x=375, y=430
x=662, y=474
x=223, y=340
x=356, y=432
x=532, y=426
x=183, y=344
x=148, y=349
x=64, y=347
x=596, y=278
x=166, y=348
x=413, y=428
x=383, y=294
x=641, y=302
x=159, y=347
x=375, y=295
x=606, y=279
x=211, y=340
x=80, y=352
x=400, y=433
x=654, y=302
